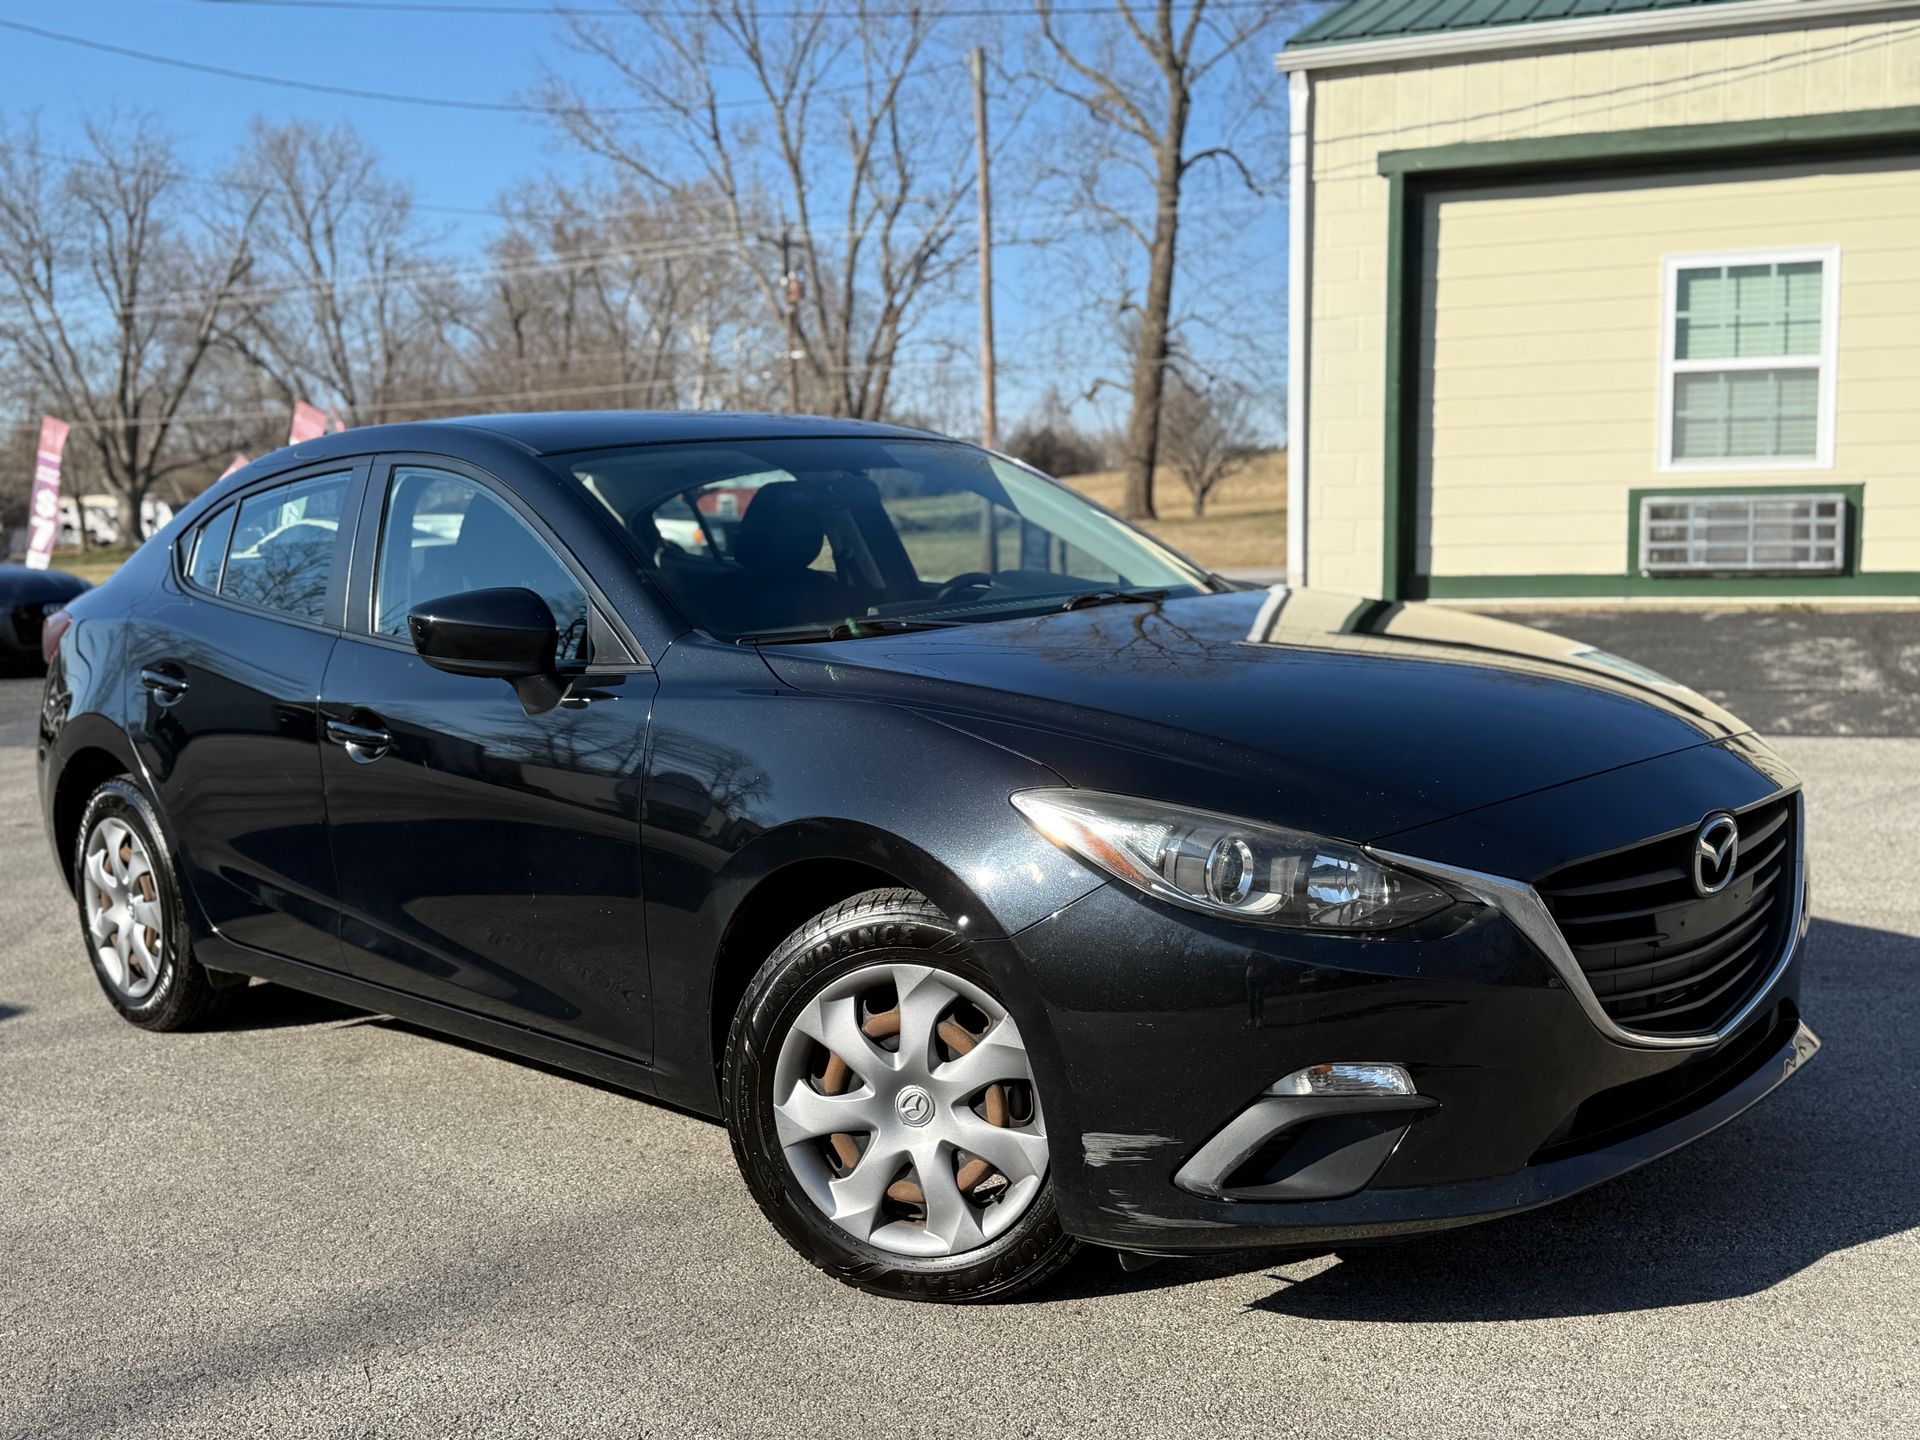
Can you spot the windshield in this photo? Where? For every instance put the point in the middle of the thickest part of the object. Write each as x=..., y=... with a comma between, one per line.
x=780, y=539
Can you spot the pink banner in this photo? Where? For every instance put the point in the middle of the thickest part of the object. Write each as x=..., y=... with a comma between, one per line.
x=43, y=517
x=240, y=462
x=308, y=423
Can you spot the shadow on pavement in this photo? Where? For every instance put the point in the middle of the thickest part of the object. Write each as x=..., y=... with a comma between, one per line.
x=528, y=1062
x=1822, y=1165
x=7, y=1012
x=273, y=1007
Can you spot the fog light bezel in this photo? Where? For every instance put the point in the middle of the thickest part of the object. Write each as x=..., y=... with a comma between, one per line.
x=1346, y=1079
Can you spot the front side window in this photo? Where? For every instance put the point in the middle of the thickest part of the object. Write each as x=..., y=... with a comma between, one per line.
x=283, y=547
x=444, y=535
x=1749, y=380
x=755, y=537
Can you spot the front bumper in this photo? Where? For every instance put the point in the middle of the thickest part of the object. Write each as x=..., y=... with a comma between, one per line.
x=1153, y=1031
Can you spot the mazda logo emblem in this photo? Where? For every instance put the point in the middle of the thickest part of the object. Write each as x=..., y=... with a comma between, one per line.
x=1716, y=854
x=915, y=1105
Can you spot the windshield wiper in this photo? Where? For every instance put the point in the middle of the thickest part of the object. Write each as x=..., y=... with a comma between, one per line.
x=1112, y=597
x=850, y=629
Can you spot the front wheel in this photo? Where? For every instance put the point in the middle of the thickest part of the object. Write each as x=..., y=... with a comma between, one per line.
x=883, y=1108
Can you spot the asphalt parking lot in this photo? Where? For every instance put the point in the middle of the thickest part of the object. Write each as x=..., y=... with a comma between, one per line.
x=319, y=1222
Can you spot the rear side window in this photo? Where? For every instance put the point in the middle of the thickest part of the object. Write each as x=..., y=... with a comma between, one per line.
x=283, y=546
x=210, y=550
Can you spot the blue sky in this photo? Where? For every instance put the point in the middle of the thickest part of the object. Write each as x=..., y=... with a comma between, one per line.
x=458, y=158
x=465, y=158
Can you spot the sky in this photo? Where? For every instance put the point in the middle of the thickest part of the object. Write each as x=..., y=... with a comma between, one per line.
x=452, y=157
x=463, y=159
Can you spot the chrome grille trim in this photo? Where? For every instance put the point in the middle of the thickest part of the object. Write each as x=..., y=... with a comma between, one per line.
x=1522, y=905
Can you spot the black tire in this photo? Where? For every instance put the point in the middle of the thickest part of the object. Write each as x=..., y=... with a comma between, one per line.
x=182, y=997
x=878, y=924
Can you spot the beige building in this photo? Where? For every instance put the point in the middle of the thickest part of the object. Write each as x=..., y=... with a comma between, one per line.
x=1606, y=298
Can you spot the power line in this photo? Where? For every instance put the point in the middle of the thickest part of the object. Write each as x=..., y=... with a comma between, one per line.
x=765, y=366
x=506, y=211
x=688, y=242
x=188, y=301
x=650, y=12
x=251, y=187
x=394, y=97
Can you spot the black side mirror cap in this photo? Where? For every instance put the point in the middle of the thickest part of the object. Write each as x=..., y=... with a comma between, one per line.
x=501, y=634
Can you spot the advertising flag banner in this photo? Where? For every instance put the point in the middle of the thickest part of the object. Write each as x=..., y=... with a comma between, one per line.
x=43, y=517
x=240, y=462
x=308, y=423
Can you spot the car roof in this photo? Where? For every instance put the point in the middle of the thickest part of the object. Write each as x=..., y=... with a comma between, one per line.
x=555, y=432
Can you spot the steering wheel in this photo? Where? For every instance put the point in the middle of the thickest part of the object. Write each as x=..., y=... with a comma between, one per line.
x=971, y=580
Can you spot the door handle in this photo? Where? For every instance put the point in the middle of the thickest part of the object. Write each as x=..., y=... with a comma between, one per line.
x=363, y=743
x=165, y=686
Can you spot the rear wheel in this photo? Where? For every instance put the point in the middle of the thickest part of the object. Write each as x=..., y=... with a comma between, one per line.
x=883, y=1108
x=132, y=916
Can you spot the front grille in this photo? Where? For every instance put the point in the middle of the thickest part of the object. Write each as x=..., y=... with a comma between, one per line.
x=1646, y=1104
x=1662, y=959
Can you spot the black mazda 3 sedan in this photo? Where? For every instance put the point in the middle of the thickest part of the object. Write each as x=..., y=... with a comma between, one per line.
x=1004, y=881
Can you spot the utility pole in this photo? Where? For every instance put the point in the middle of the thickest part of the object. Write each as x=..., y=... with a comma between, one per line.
x=989, y=424
x=989, y=536
x=790, y=278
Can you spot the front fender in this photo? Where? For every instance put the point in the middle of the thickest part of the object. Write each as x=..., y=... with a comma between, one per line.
x=747, y=778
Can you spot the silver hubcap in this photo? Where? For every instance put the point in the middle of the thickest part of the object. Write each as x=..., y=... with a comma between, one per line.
x=123, y=908
x=904, y=1103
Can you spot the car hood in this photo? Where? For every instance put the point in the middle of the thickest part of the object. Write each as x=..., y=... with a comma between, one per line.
x=1350, y=717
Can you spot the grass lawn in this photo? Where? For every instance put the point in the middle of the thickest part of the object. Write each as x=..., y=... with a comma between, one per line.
x=93, y=564
x=1246, y=521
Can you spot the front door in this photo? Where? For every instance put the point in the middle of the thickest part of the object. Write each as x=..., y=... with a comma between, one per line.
x=488, y=858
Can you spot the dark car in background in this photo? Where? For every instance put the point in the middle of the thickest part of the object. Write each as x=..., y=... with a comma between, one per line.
x=27, y=598
x=1003, y=880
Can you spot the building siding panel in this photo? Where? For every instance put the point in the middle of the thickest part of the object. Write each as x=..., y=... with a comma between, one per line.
x=1359, y=114
x=1513, y=466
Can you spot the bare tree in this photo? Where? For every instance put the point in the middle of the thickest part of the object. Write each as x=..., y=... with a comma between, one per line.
x=18, y=442
x=597, y=299
x=345, y=301
x=1137, y=82
x=862, y=181
x=115, y=297
x=1203, y=434
x=1050, y=439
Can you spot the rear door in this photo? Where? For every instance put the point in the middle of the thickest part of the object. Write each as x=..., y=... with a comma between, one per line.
x=488, y=858
x=228, y=657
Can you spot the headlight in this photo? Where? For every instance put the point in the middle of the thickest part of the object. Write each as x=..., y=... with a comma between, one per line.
x=1228, y=866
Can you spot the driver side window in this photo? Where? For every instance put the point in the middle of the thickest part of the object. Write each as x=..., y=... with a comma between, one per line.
x=444, y=535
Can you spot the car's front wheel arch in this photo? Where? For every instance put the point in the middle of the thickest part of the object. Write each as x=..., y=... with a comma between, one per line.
x=788, y=875
x=778, y=903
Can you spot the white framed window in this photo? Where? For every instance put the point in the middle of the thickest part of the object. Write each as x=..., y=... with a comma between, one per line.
x=1747, y=349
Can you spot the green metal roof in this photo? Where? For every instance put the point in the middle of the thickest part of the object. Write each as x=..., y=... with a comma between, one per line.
x=1382, y=19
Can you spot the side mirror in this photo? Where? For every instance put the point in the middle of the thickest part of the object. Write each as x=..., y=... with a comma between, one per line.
x=505, y=634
